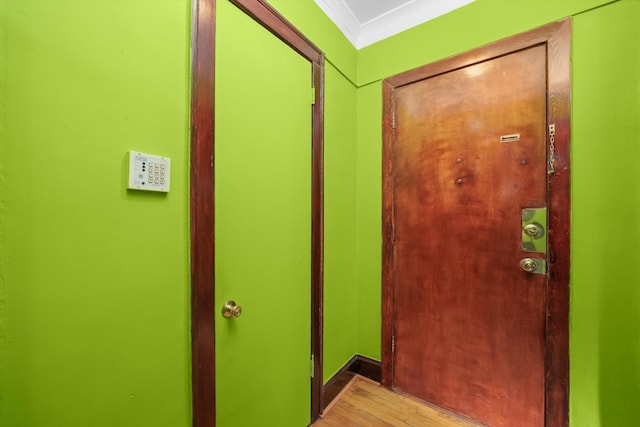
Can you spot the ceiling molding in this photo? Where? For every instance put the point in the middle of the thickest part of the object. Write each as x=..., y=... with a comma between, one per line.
x=365, y=22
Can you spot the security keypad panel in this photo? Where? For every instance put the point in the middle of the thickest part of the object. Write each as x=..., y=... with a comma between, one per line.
x=149, y=172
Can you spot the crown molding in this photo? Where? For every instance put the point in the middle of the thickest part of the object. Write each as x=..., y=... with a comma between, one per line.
x=390, y=23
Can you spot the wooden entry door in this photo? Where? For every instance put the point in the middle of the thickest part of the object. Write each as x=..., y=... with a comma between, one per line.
x=466, y=153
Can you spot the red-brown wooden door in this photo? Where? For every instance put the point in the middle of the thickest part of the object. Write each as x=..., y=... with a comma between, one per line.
x=468, y=322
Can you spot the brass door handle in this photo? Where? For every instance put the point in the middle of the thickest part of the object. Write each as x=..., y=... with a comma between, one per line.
x=231, y=309
x=534, y=265
x=529, y=265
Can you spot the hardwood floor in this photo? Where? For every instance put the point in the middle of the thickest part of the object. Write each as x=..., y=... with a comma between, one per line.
x=365, y=403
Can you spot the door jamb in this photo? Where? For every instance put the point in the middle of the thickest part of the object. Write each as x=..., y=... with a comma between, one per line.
x=557, y=38
x=202, y=197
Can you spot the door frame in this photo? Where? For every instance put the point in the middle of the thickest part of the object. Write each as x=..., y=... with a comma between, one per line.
x=557, y=39
x=202, y=200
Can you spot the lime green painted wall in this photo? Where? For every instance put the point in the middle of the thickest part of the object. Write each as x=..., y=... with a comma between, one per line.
x=341, y=299
x=90, y=321
x=75, y=84
x=94, y=279
x=369, y=216
x=340, y=274
x=605, y=297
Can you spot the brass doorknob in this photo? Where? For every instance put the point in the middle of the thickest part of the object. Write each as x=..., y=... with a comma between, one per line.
x=529, y=265
x=231, y=309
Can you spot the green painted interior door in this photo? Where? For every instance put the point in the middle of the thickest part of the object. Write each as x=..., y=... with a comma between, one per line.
x=263, y=226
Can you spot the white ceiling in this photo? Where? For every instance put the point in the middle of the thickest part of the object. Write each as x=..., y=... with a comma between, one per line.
x=365, y=22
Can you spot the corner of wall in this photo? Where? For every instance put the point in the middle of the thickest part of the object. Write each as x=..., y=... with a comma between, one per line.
x=307, y=16
x=368, y=219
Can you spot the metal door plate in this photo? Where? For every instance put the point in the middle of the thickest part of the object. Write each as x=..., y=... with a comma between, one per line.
x=534, y=219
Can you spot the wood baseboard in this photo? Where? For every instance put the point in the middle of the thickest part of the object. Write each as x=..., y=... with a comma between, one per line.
x=358, y=365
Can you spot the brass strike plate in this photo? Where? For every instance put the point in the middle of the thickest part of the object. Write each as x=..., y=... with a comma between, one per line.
x=534, y=230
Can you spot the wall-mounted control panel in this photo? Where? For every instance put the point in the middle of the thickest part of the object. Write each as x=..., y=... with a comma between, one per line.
x=149, y=172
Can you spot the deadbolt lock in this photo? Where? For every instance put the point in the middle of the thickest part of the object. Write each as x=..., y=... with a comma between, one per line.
x=534, y=230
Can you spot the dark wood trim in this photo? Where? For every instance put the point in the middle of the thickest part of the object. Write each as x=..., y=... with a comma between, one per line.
x=367, y=367
x=202, y=198
x=388, y=237
x=269, y=18
x=559, y=196
x=557, y=38
x=358, y=365
x=317, y=239
x=202, y=214
x=540, y=35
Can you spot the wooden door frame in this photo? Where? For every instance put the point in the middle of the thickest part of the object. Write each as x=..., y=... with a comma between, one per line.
x=557, y=39
x=202, y=201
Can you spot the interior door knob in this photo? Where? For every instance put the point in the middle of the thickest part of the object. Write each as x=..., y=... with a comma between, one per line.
x=529, y=265
x=231, y=309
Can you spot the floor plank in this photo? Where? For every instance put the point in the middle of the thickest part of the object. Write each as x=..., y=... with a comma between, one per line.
x=365, y=403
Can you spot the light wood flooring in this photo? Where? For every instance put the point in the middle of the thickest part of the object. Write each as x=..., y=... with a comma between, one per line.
x=364, y=402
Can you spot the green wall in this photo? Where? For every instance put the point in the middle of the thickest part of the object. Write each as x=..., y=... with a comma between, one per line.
x=605, y=308
x=369, y=219
x=88, y=319
x=342, y=305
x=94, y=279
x=94, y=286
x=340, y=196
